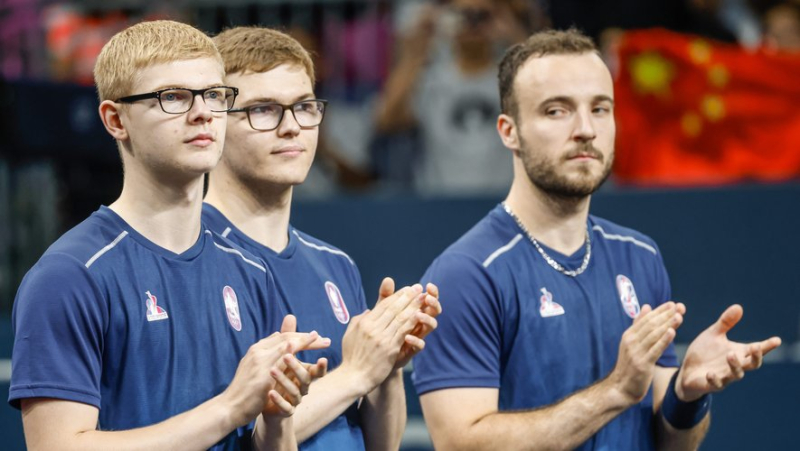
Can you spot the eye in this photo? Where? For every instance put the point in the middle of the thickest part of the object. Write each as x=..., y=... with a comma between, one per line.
x=601, y=109
x=266, y=109
x=556, y=112
x=172, y=96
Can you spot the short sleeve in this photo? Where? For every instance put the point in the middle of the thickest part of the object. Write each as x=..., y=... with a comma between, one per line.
x=59, y=319
x=464, y=350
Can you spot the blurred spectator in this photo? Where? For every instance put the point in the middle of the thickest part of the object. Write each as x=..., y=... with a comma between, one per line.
x=782, y=27
x=444, y=85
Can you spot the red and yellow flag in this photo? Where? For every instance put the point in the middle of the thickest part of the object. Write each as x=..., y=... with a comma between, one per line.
x=695, y=112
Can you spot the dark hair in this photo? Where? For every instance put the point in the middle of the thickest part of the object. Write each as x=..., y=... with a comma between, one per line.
x=548, y=42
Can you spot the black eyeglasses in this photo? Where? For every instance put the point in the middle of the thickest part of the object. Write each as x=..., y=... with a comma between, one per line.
x=268, y=116
x=219, y=99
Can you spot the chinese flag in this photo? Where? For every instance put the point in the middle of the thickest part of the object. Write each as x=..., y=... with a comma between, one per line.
x=695, y=112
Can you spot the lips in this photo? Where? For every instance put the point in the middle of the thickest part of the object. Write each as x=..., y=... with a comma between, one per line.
x=202, y=139
x=288, y=150
x=584, y=152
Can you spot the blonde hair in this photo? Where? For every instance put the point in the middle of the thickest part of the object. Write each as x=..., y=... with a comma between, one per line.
x=145, y=44
x=258, y=49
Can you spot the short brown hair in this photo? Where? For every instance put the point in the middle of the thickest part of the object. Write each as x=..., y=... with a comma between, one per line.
x=259, y=49
x=548, y=42
x=145, y=44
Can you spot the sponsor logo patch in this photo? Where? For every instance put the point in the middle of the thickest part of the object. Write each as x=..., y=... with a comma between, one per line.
x=232, y=308
x=547, y=307
x=337, y=302
x=154, y=312
x=627, y=296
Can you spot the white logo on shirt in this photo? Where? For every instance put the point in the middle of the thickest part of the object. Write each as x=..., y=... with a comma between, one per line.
x=627, y=296
x=337, y=302
x=154, y=312
x=547, y=307
x=232, y=308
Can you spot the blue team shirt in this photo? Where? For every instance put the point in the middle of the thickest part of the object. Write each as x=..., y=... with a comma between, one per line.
x=110, y=319
x=514, y=323
x=322, y=287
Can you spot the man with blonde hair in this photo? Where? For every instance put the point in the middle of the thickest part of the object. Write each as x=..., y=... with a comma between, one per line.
x=139, y=328
x=269, y=148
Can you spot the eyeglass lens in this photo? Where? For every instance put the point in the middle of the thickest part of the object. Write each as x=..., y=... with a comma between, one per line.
x=181, y=100
x=269, y=115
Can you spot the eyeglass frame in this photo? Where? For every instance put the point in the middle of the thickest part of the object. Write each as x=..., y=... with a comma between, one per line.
x=289, y=107
x=195, y=93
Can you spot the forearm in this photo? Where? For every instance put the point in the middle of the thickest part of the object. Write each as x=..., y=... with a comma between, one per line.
x=563, y=425
x=394, y=108
x=274, y=434
x=50, y=424
x=327, y=398
x=383, y=414
x=670, y=438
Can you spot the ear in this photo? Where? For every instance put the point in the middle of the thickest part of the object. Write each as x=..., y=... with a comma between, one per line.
x=507, y=129
x=112, y=121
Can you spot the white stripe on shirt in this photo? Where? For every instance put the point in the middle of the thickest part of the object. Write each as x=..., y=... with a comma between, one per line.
x=630, y=239
x=105, y=249
x=502, y=250
x=322, y=248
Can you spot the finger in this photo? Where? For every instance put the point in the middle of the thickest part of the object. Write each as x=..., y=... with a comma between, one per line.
x=319, y=369
x=390, y=305
x=286, y=387
x=425, y=325
x=644, y=311
x=289, y=324
x=407, y=296
x=655, y=351
x=651, y=327
x=735, y=365
x=432, y=290
x=680, y=307
x=714, y=381
x=285, y=406
x=297, y=368
x=432, y=305
x=417, y=344
x=406, y=320
x=770, y=344
x=756, y=357
x=729, y=318
x=301, y=341
x=386, y=289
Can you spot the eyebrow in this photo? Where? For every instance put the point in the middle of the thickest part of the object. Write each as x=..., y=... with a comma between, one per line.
x=300, y=98
x=571, y=101
x=173, y=86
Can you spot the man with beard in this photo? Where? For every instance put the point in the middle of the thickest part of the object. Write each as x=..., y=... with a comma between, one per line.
x=558, y=322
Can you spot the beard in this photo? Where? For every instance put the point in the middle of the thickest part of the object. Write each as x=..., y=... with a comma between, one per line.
x=544, y=173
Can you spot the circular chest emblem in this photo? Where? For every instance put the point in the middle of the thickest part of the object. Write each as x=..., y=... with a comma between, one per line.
x=337, y=302
x=627, y=296
x=232, y=308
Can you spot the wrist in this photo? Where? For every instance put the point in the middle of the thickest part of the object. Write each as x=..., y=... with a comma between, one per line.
x=357, y=379
x=683, y=414
x=228, y=415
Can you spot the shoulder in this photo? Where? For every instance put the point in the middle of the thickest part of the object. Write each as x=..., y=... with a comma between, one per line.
x=617, y=236
x=230, y=251
x=493, y=239
x=88, y=241
x=319, y=249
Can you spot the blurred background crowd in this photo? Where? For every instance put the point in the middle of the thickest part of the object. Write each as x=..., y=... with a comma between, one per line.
x=707, y=107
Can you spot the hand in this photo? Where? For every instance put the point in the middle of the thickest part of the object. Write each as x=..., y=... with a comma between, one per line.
x=292, y=379
x=253, y=381
x=414, y=342
x=373, y=339
x=641, y=346
x=712, y=361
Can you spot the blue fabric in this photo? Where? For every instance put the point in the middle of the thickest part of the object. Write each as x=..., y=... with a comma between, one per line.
x=680, y=414
x=315, y=279
x=110, y=319
x=512, y=322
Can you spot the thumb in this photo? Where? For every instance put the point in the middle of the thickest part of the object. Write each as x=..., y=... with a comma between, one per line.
x=289, y=324
x=729, y=318
x=386, y=289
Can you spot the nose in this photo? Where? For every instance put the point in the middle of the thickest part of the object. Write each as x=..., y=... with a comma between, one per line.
x=288, y=125
x=584, y=127
x=200, y=112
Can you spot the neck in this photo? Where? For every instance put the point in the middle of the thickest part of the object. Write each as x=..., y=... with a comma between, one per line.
x=166, y=214
x=558, y=222
x=260, y=211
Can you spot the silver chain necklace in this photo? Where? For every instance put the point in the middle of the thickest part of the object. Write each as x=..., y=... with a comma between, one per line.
x=550, y=261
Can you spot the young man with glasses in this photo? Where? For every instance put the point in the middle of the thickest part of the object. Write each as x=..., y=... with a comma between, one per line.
x=139, y=328
x=269, y=147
